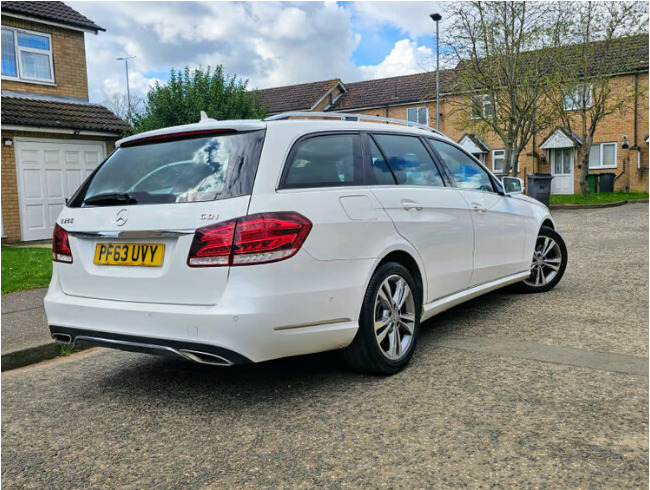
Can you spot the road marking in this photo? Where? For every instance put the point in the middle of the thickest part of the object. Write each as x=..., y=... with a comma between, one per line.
x=604, y=361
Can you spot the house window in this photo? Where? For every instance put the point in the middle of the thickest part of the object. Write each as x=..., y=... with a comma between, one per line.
x=27, y=56
x=418, y=115
x=602, y=155
x=481, y=107
x=580, y=97
x=498, y=161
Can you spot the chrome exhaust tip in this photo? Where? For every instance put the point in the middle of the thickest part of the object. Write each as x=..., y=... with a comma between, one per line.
x=62, y=338
x=205, y=358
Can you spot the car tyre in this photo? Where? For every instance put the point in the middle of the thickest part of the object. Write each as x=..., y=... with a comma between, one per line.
x=389, y=322
x=548, y=264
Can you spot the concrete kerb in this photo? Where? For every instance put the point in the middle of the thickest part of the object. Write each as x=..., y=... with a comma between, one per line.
x=596, y=206
x=29, y=355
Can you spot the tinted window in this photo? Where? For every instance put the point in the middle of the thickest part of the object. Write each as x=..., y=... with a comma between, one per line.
x=409, y=160
x=185, y=170
x=467, y=173
x=380, y=171
x=324, y=161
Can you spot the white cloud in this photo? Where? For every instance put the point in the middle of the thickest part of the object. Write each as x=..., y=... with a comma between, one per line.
x=412, y=18
x=268, y=43
x=405, y=58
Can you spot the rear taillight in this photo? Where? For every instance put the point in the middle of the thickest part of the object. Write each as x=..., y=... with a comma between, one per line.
x=254, y=239
x=61, y=246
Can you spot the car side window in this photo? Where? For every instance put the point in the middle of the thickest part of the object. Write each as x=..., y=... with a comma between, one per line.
x=467, y=173
x=324, y=161
x=409, y=160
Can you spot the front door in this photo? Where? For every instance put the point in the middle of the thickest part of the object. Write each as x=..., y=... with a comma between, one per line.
x=499, y=221
x=562, y=170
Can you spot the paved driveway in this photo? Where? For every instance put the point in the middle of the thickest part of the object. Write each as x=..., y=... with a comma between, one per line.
x=507, y=391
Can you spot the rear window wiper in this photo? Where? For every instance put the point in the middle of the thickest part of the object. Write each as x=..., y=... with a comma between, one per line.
x=110, y=198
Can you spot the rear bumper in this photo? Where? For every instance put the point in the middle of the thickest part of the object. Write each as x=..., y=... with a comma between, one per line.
x=201, y=353
x=294, y=307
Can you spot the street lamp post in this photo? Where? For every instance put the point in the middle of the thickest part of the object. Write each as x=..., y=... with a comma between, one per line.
x=436, y=18
x=128, y=91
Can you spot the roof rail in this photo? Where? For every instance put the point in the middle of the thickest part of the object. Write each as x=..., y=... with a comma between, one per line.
x=349, y=117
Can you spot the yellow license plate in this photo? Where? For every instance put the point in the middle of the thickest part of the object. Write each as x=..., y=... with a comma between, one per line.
x=138, y=254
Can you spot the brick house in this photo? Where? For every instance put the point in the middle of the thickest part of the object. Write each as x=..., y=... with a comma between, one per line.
x=52, y=137
x=412, y=97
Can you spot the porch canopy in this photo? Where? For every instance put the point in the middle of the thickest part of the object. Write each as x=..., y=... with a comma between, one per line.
x=471, y=143
x=560, y=138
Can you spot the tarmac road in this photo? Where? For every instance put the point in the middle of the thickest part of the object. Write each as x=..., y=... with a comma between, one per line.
x=506, y=391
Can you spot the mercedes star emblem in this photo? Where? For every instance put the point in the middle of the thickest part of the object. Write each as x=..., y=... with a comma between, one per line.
x=122, y=217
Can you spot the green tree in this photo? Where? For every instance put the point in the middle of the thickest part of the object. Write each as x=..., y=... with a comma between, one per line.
x=188, y=92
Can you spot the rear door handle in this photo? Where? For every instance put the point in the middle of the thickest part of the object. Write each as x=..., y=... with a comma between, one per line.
x=408, y=205
x=479, y=208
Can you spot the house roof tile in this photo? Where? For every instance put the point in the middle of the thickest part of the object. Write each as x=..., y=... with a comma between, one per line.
x=65, y=115
x=57, y=12
x=629, y=54
x=393, y=91
x=295, y=97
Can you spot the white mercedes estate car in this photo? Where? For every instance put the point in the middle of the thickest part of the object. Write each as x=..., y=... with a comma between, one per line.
x=227, y=242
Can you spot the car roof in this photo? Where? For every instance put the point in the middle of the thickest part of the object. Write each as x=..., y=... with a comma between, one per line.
x=299, y=125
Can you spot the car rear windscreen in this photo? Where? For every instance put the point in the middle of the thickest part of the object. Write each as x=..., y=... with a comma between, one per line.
x=182, y=170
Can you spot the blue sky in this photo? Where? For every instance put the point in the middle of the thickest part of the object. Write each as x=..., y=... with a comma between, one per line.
x=268, y=43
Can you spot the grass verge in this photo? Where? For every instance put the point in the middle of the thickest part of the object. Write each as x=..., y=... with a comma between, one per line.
x=602, y=198
x=25, y=268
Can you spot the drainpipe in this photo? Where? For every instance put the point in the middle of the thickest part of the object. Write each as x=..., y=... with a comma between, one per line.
x=636, y=108
x=635, y=147
x=636, y=113
x=535, y=159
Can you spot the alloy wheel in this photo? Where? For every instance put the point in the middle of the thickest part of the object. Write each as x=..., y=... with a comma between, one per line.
x=547, y=260
x=394, y=317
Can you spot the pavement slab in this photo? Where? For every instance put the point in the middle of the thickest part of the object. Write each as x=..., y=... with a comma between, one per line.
x=25, y=333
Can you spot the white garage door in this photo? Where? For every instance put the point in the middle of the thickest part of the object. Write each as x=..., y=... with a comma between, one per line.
x=49, y=171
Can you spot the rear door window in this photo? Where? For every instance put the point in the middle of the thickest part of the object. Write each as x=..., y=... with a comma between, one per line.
x=408, y=160
x=328, y=160
x=191, y=169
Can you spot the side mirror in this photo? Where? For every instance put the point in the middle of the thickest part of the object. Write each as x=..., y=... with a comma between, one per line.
x=512, y=185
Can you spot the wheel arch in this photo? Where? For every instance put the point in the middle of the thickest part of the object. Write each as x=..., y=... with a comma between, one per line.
x=407, y=260
x=548, y=223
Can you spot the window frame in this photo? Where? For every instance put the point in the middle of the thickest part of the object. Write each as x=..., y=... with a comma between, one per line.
x=418, y=109
x=359, y=167
x=503, y=158
x=600, y=155
x=19, y=64
x=572, y=95
x=485, y=101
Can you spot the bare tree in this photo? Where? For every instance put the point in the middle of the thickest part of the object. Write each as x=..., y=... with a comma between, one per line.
x=582, y=93
x=502, y=49
x=119, y=104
